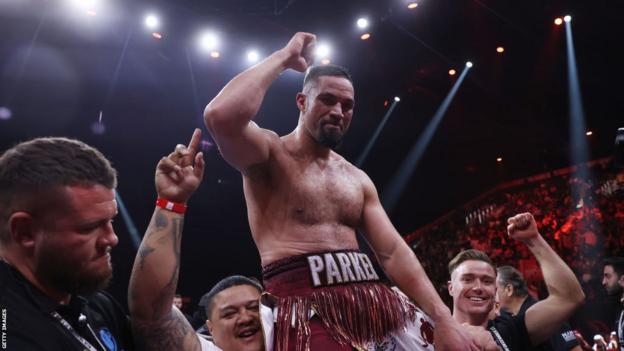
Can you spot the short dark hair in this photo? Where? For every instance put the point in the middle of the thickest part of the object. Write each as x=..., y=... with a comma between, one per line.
x=226, y=283
x=616, y=262
x=32, y=167
x=510, y=275
x=314, y=72
x=469, y=255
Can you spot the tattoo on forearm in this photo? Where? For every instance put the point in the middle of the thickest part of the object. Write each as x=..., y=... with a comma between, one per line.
x=160, y=222
x=172, y=332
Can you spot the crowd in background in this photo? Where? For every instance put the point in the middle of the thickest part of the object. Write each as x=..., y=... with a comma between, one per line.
x=578, y=217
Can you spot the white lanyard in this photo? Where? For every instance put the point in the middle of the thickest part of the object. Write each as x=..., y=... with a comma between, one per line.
x=80, y=339
x=620, y=331
x=499, y=338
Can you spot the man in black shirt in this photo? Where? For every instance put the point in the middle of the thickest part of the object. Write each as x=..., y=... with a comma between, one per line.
x=57, y=202
x=514, y=299
x=612, y=281
x=473, y=288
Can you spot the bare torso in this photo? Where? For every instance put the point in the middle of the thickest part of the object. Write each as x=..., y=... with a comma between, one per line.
x=301, y=203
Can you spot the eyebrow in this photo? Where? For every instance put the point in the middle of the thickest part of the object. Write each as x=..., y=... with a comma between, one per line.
x=328, y=94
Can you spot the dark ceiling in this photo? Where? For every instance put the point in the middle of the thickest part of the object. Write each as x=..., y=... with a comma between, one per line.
x=58, y=71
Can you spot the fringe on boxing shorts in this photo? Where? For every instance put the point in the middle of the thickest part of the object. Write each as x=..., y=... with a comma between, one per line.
x=335, y=294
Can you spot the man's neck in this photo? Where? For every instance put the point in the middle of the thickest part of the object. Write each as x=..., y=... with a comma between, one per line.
x=26, y=270
x=307, y=145
x=471, y=319
x=513, y=306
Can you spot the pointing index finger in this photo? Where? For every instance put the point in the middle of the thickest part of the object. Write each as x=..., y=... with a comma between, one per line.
x=193, y=146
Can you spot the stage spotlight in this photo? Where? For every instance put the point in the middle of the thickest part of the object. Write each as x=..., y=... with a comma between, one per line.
x=397, y=99
x=589, y=133
x=252, y=56
x=500, y=49
x=567, y=18
x=323, y=51
x=89, y=7
x=469, y=64
x=157, y=35
x=208, y=41
x=365, y=36
x=151, y=21
x=325, y=61
x=558, y=21
x=412, y=5
x=362, y=23
x=215, y=54
x=5, y=113
x=499, y=159
x=452, y=72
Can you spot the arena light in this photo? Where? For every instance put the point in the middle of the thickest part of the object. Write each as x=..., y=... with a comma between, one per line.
x=396, y=186
x=362, y=23
x=208, y=41
x=372, y=141
x=253, y=56
x=558, y=21
x=90, y=7
x=452, y=72
x=325, y=61
x=157, y=35
x=365, y=36
x=589, y=133
x=151, y=21
x=412, y=5
x=567, y=18
x=469, y=64
x=500, y=49
x=499, y=159
x=215, y=54
x=322, y=51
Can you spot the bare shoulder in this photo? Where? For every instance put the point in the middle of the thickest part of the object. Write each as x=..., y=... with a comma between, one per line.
x=356, y=173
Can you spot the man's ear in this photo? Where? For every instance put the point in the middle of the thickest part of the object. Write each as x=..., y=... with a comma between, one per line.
x=301, y=101
x=449, y=286
x=22, y=228
x=621, y=280
x=509, y=290
x=209, y=325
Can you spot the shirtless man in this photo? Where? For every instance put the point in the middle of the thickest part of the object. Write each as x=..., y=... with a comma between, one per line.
x=305, y=203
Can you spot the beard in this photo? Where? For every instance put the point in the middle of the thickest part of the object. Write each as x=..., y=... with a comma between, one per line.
x=64, y=274
x=330, y=138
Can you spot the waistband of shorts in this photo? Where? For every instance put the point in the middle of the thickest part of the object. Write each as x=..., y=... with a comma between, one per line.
x=294, y=262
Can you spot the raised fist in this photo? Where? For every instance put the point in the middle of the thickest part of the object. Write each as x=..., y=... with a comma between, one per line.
x=522, y=227
x=299, y=51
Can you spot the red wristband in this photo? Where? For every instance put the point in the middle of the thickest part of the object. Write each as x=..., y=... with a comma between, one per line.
x=171, y=206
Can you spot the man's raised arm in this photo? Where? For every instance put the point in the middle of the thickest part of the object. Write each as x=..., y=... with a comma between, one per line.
x=157, y=325
x=564, y=291
x=228, y=116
